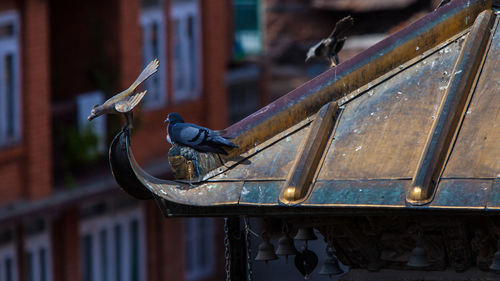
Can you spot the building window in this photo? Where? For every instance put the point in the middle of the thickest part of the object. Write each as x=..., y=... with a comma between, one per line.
x=186, y=49
x=97, y=127
x=38, y=257
x=199, y=248
x=247, y=28
x=10, y=131
x=153, y=47
x=113, y=247
x=8, y=267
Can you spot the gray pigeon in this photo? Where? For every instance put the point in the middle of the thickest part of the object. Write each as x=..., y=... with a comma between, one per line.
x=331, y=46
x=197, y=137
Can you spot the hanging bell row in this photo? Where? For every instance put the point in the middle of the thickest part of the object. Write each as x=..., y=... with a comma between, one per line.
x=286, y=246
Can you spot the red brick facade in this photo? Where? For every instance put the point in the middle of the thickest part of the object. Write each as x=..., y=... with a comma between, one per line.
x=58, y=49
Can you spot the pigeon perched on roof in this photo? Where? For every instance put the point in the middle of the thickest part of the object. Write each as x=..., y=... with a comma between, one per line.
x=194, y=136
x=125, y=101
x=331, y=46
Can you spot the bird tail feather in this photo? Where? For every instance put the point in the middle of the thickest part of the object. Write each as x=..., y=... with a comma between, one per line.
x=223, y=141
x=149, y=70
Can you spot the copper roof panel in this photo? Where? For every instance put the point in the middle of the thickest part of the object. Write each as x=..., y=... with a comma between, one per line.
x=456, y=193
x=388, y=193
x=271, y=160
x=381, y=133
x=477, y=151
x=398, y=111
x=261, y=192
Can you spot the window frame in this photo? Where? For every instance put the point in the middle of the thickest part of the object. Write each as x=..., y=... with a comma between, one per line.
x=8, y=250
x=85, y=102
x=11, y=45
x=94, y=226
x=180, y=11
x=149, y=16
x=34, y=244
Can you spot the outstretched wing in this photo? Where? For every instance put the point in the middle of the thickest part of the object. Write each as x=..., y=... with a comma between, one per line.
x=150, y=69
x=129, y=103
x=342, y=27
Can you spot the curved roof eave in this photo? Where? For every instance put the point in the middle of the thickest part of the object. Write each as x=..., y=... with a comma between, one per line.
x=304, y=150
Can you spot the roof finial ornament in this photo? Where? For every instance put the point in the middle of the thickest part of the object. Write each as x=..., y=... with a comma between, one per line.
x=125, y=101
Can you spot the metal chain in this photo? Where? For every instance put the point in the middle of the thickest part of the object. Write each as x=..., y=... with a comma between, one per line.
x=249, y=249
x=227, y=251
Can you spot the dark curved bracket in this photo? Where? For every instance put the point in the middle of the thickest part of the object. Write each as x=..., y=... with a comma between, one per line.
x=122, y=170
x=137, y=182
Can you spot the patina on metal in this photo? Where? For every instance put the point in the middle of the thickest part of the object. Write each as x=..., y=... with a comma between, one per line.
x=307, y=161
x=451, y=111
x=336, y=83
x=367, y=156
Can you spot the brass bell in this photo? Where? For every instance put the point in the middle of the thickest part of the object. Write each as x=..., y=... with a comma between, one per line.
x=286, y=247
x=305, y=233
x=266, y=252
x=331, y=267
x=418, y=257
x=495, y=264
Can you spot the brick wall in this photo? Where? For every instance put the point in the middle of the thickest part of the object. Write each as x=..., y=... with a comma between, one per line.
x=25, y=167
x=36, y=97
x=216, y=51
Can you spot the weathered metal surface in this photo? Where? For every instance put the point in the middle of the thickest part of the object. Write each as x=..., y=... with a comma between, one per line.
x=476, y=153
x=450, y=112
x=494, y=196
x=261, y=192
x=178, y=192
x=368, y=193
x=306, y=100
x=381, y=133
x=300, y=176
x=462, y=193
x=394, y=95
x=272, y=160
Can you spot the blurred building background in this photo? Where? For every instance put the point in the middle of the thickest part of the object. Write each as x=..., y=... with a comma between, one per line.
x=62, y=216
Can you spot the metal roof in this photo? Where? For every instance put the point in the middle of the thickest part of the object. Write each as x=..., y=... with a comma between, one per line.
x=411, y=123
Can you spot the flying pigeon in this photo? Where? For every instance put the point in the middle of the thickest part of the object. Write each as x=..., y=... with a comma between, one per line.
x=331, y=46
x=194, y=136
x=125, y=101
